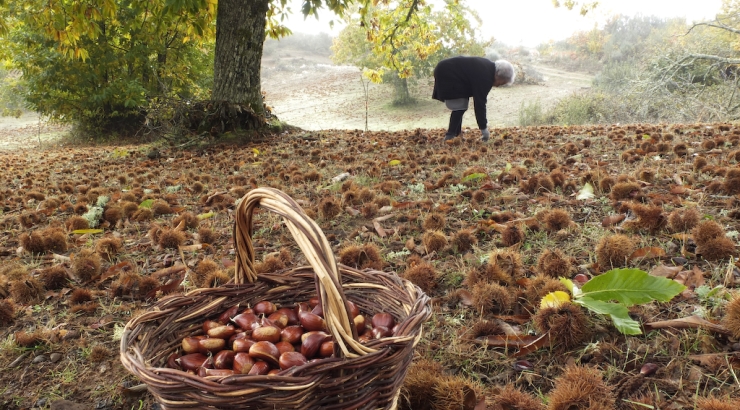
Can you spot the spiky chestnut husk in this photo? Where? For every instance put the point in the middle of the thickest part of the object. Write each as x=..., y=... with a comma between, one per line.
x=553, y=263
x=33, y=242
x=511, y=398
x=581, y=388
x=128, y=208
x=492, y=298
x=567, y=325
x=99, y=353
x=434, y=241
x=7, y=312
x=417, y=391
x=614, y=250
x=206, y=235
x=556, y=220
x=606, y=184
x=463, y=241
x=142, y=214
x=369, y=210
x=706, y=231
x=713, y=403
x=624, y=190
x=26, y=291
x=112, y=214
x=108, y=247
x=271, y=263
x=80, y=296
x=450, y=392
x=699, y=163
x=86, y=265
x=329, y=208
x=202, y=269
x=504, y=265
x=189, y=220
x=216, y=279
x=170, y=238
x=422, y=275
x=54, y=277
x=681, y=220
x=434, y=222
x=76, y=222
x=649, y=218
x=160, y=207
x=717, y=249
x=26, y=339
x=681, y=150
x=486, y=328
x=512, y=235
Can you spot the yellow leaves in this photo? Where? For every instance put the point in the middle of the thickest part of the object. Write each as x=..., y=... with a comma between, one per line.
x=555, y=299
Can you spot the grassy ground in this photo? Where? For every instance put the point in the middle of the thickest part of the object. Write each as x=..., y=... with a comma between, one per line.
x=485, y=248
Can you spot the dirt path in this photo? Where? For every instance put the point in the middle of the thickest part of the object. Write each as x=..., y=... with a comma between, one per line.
x=313, y=94
x=28, y=131
x=317, y=96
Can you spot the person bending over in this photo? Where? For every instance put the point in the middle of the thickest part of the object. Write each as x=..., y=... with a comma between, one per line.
x=457, y=79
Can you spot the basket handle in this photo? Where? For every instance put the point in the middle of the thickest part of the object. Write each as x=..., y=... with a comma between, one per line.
x=314, y=246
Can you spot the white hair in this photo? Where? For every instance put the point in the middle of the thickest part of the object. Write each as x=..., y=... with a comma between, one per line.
x=505, y=71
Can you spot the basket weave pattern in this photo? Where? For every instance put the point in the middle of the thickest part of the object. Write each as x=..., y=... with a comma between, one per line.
x=361, y=376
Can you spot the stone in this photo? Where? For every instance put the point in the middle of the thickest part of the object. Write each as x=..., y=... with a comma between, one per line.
x=68, y=405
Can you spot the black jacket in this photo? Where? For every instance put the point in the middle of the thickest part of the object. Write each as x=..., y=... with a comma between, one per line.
x=464, y=77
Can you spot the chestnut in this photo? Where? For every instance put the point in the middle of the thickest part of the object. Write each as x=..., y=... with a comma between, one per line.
x=264, y=307
x=353, y=309
x=209, y=324
x=224, y=359
x=291, y=314
x=242, y=344
x=225, y=318
x=265, y=351
x=211, y=345
x=243, y=363
x=260, y=368
x=291, y=359
x=380, y=332
x=314, y=301
x=222, y=332
x=266, y=333
x=193, y=361
x=284, y=347
x=312, y=344
x=246, y=321
x=172, y=361
x=327, y=349
x=291, y=334
x=359, y=322
x=219, y=372
x=383, y=319
x=279, y=319
x=311, y=321
x=190, y=345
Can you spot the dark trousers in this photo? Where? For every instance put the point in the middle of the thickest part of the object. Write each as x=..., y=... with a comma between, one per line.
x=455, y=128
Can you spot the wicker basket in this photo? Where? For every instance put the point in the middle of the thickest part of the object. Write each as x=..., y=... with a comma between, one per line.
x=361, y=376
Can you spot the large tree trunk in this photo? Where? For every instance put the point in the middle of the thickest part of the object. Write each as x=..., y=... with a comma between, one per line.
x=240, y=36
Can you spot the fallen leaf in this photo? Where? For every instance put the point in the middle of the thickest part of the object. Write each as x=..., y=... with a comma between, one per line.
x=379, y=229
x=679, y=190
x=681, y=236
x=86, y=231
x=691, y=322
x=690, y=278
x=648, y=252
x=535, y=345
x=466, y=298
x=612, y=220
x=665, y=271
x=352, y=211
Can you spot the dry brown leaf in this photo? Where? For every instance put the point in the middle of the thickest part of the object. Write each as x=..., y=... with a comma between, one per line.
x=679, y=190
x=691, y=278
x=691, y=322
x=379, y=229
x=665, y=271
x=465, y=297
x=612, y=220
x=648, y=252
x=536, y=344
x=351, y=211
x=681, y=236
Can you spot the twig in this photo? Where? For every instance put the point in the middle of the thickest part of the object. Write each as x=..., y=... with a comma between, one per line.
x=18, y=361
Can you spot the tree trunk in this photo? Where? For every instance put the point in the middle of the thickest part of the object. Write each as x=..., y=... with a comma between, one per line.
x=240, y=36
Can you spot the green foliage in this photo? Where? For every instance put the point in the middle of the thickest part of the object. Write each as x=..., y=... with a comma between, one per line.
x=99, y=64
x=393, y=45
x=531, y=113
x=612, y=292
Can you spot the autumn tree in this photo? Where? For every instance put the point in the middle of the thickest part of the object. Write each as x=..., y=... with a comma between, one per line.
x=387, y=51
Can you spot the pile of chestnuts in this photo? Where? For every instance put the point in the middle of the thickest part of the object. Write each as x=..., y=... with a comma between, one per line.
x=265, y=340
